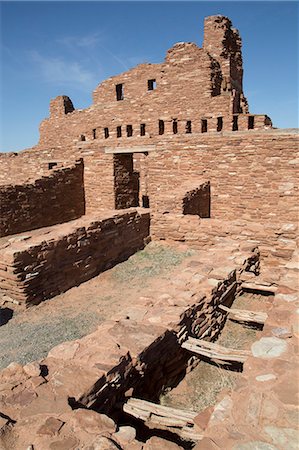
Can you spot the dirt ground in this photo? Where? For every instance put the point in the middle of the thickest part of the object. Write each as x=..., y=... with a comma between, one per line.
x=31, y=333
x=201, y=387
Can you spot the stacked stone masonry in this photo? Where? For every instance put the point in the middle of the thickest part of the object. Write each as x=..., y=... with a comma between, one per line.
x=111, y=362
x=38, y=267
x=56, y=198
x=195, y=90
x=177, y=137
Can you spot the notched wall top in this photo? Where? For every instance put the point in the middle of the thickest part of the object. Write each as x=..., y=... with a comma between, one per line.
x=190, y=84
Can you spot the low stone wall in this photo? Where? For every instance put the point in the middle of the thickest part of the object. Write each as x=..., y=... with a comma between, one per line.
x=275, y=241
x=33, y=269
x=55, y=198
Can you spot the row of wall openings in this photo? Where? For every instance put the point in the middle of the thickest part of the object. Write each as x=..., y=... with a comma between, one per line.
x=204, y=127
x=250, y=123
x=129, y=131
x=119, y=88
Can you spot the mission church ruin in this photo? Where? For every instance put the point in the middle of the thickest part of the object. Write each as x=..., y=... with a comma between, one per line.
x=166, y=152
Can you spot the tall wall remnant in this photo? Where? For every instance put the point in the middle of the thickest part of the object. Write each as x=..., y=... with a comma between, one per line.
x=192, y=84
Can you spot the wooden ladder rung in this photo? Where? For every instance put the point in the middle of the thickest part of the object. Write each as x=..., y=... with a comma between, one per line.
x=215, y=351
x=244, y=315
x=174, y=420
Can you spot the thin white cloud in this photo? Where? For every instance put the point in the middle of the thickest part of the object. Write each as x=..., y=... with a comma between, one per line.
x=87, y=41
x=59, y=71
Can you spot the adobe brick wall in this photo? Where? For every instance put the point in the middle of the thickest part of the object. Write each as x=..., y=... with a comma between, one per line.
x=51, y=261
x=55, y=198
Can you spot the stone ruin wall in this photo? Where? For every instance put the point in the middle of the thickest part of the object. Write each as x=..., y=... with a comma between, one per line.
x=51, y=261
x=193, y=84
x=56, y=197
x=249, y=171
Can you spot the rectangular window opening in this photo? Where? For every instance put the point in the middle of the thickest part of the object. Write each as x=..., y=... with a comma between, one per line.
x=188, y=126
x=119, y=92
x=129, y=130
x=118, y=131
x=235, y=123
x=51, y=165
x=204, y=125
x=219, y=123
x=175, y=126
x=161, y=127
x=151, y=85
x=250, y=122
x=145, y=201
x=94, y=133
x=142, y=129
x=106, y=133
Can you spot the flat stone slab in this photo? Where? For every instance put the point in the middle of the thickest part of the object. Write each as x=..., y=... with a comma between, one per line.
x=268, y=347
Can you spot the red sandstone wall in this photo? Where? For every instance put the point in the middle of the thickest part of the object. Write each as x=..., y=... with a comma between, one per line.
x=52, y=199
x=38, y=268
x=191, y=84
x=253, y=176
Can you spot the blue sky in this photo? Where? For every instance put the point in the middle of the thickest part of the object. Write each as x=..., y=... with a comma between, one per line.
x=55, y=48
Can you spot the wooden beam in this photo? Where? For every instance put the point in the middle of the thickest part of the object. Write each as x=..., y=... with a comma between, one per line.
x=215, y=351
x=176, y=421
x=243, y=315
x=259, y=287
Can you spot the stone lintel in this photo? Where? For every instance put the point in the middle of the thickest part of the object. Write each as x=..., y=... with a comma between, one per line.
x=134, y=149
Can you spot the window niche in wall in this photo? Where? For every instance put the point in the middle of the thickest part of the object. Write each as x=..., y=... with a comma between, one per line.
x=219, y=123
x=235, y=123
x=151, y=85
x=106, y=133
x=250, y=122
x=204, y=125
x=118, y=131
x=119, y=92
x=161, y=127
x=129, y=130
x=188, y=126
x=142, y=129
x=174, y=126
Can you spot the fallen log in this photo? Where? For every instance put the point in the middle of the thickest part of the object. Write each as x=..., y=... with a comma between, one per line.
x=161, y=417
x=243, y=315
x=215, y=351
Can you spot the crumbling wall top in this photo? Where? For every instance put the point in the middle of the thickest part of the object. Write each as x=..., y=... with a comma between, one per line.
x=60, y=106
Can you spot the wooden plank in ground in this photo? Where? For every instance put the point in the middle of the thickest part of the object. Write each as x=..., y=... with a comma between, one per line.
x=215, y=351
x=259, y=287
x=176, y=421
x=244, y=315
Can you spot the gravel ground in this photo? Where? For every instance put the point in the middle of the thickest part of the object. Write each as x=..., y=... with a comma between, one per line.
x=24, y=342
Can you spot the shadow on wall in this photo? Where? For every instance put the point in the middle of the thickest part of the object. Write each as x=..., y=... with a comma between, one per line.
x=198, y=201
